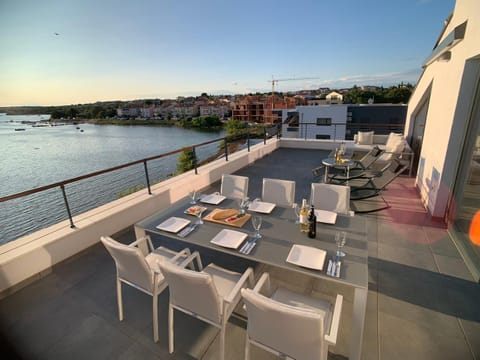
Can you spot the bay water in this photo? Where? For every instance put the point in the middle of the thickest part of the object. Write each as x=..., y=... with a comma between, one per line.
x=38, y=156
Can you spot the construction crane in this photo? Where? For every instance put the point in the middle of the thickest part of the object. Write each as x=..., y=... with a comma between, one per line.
x=288, y=79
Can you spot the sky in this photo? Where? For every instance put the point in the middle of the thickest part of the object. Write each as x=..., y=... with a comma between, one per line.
x=125, y=50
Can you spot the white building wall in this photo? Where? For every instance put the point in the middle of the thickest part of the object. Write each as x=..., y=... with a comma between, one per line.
x=309, y=114
x=451, y=85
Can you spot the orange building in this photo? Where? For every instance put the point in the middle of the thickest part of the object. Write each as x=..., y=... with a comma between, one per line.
x=258, y=108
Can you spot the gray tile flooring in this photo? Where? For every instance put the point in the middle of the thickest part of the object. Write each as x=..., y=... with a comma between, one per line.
x=422, y=301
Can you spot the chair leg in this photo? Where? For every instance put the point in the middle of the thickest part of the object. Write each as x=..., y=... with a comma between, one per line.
x=247, y=348
x=171, y=331
x=222, y=342
x=119, y=299
x=155, y=317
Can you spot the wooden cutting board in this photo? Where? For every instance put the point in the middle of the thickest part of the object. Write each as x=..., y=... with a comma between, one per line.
x=235, y=223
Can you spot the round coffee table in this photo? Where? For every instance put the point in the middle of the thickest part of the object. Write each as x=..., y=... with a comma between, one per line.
x=344, y=164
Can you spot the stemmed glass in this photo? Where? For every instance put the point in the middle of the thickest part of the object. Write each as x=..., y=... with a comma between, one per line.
x=199, y=216
x=193, y=195
x=297, y=213
x=257, y=224
x=243, y=203
x=340, y=238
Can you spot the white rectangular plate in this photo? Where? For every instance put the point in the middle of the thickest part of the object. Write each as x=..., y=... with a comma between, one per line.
x=213, y=199
x=324, y=216
x=307, y=256
x=261, y=207
x=173, y=224
x=229, y=238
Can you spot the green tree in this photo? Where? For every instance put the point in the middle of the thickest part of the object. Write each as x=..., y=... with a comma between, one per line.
x=186, y=160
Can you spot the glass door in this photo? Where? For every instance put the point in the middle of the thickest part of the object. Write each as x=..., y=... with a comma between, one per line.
x=464, y=209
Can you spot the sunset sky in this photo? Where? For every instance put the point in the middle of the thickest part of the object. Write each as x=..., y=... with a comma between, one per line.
x=123, y=50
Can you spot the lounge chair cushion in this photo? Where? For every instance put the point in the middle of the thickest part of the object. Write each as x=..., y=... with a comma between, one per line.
x=395, y=143
x=365, y=138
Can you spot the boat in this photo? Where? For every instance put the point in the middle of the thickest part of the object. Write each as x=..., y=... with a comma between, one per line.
x=20, y=129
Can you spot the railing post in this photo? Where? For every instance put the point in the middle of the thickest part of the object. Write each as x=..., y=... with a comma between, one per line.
x=264, y=136
x=279, y=131
x=72, y=225
x=248, y=140
x=226, y=149
x=194, y=160
x=335, y=132
x=306, y=129
x=146, y=175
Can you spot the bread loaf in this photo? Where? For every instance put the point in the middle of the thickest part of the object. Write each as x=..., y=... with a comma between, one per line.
x=223, y=214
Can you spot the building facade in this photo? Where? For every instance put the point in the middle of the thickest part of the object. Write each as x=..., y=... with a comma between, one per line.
x=443, y=127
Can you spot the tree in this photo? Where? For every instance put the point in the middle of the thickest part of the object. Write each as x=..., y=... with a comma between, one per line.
x=186, y=160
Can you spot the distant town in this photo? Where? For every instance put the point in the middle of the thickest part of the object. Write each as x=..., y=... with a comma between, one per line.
x=257, y=108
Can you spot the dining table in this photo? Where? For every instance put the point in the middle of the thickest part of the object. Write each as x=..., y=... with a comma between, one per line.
x=280, y=234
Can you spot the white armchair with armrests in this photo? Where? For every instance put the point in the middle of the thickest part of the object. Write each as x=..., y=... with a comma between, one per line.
x=210, y=294
x=136, y=265
x=289, y=324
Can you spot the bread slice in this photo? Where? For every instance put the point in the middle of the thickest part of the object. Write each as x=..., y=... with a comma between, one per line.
x=223, y=214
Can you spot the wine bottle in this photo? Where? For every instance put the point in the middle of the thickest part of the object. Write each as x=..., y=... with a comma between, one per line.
x=312, y=224
x=304, y=216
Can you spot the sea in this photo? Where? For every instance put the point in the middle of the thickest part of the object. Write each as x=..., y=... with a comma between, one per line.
x=33, y=156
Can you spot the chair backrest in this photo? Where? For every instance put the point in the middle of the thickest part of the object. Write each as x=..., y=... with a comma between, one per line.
x=131, y=264
x=330, y=197
x=280, y=192
x=298, y=333
x=193, y=291
x=389, y=174
x=370, y=157
x=234, y=186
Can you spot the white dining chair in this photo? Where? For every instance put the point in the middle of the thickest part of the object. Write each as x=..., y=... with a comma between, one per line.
x=280, y=192
x=209, y=294
x=331, y=197
x=234, y=186
x=289, y=324
x=136, y=265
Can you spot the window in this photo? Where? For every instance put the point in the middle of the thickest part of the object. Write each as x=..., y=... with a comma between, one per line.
x=322, y=137
x=324, y=121
x=292, y=128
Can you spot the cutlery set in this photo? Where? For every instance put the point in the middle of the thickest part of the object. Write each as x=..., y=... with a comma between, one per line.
x=187, y=230
x=333, y=268
x=248, y=246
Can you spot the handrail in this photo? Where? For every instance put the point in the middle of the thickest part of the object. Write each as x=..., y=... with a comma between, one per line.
x=61, y=184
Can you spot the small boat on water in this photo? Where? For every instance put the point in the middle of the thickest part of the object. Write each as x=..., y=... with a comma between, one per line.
x=20, y=129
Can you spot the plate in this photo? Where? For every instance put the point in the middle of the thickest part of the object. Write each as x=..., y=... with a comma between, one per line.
x=261, y=207
x=307, y=256
x=229, y=238
x=213, y=199
x=324, y=216
x=195, y=210
x=173, y=224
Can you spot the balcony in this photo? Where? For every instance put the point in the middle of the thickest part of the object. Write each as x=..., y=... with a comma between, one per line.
x=422, y=301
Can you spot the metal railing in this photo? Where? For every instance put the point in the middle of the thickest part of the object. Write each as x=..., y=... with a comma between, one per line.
x=247, y=135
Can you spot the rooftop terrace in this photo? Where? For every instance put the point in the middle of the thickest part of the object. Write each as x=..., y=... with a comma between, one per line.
x=422, y=301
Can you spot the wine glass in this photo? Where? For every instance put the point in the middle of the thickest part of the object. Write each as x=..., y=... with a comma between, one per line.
x=193, y=196
x=340, y=238
x=243, y=203
x=199, y=216
x=297, y=213
x=257, y=223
